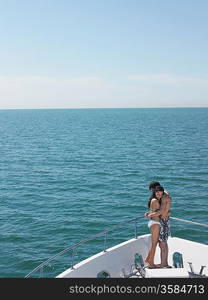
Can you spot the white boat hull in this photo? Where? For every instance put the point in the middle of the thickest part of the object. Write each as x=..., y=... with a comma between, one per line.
x=118, y=261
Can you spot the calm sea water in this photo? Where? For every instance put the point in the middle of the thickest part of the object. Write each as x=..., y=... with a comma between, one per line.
x=68, y=174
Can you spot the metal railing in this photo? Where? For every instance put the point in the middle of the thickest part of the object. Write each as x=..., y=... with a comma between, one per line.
x=73, y=248
x=190, y=222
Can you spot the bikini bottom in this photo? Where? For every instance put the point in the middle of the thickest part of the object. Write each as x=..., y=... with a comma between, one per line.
x=152, y=222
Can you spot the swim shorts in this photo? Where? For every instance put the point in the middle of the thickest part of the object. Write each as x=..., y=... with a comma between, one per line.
x=164, y=229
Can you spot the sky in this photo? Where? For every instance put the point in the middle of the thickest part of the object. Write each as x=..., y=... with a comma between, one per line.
x=103, y=54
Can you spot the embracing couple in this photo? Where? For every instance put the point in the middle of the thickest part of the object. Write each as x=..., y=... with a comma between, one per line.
x=159, y=205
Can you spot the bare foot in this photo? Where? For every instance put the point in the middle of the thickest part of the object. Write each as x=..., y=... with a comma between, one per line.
x=158, y=266
x=163, y=266
x=151, y=265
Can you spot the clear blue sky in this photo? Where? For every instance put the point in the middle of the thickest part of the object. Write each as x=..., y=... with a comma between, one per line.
x=95, y=53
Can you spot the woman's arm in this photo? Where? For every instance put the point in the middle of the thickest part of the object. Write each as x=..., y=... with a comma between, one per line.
x=163, y=208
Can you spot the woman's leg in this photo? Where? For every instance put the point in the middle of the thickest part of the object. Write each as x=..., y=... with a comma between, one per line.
x=155, y=229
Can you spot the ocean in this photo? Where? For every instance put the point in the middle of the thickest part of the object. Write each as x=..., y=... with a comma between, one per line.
x=67, y=174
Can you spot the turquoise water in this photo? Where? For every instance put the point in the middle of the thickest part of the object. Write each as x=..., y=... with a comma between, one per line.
x=68, y=174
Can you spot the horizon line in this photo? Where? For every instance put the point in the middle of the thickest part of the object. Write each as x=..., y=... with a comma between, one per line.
x=66, y=108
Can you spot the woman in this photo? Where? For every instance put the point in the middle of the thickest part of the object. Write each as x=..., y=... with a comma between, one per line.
x=154, y=224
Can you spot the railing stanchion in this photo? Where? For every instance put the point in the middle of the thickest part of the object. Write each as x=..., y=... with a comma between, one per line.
x=136, y=229
x=105, y=242
x=73, y=254
x=41, y=272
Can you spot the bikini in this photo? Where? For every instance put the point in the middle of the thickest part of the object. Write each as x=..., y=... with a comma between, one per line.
x=152, y=222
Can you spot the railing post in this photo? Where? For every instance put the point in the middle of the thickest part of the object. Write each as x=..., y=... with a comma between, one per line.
x=136, y=229
x=41, y=272
x=72, y=263
x=105, y=242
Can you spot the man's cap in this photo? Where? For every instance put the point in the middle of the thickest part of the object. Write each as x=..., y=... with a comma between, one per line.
x=153, y=184
x=159, y=188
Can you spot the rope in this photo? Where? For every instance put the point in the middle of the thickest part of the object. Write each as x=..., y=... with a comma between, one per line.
x=200, y=224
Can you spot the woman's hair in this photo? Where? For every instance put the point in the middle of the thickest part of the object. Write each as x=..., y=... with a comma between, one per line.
x=158, y=188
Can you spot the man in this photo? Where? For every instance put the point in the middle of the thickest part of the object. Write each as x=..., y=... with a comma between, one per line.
x=164, y=213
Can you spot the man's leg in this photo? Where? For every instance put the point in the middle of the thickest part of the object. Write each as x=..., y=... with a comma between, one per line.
x=163, y=237
x=163, y=253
